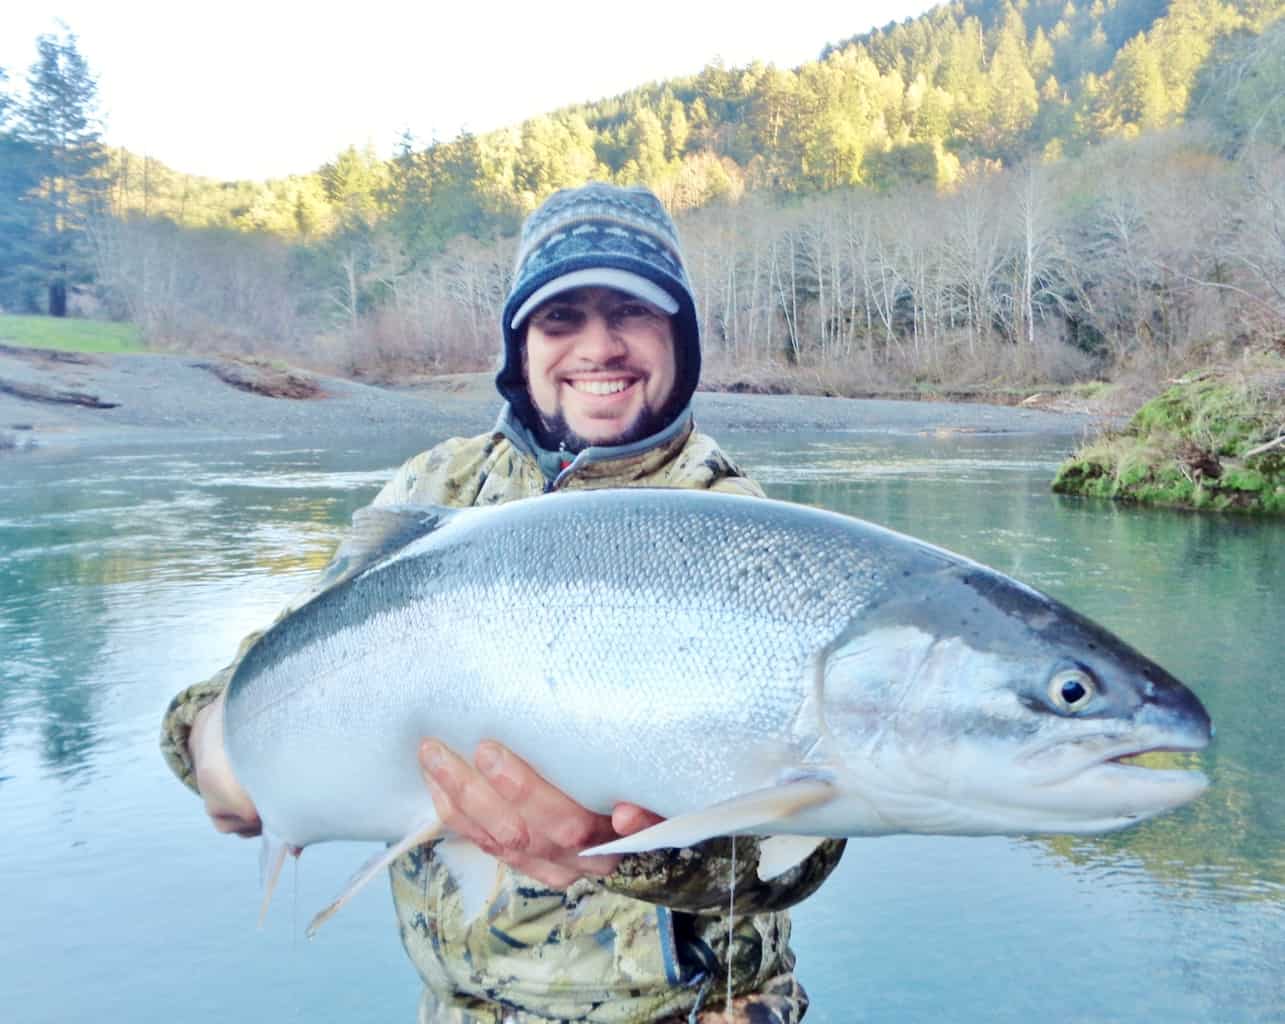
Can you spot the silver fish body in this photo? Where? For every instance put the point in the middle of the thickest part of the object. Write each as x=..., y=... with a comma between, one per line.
x=680, y=650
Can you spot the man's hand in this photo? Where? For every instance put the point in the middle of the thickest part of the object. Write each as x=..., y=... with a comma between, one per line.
x=228, y=805
x=506, y=808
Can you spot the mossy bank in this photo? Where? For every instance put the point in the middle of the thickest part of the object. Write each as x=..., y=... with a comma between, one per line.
x=1213, y=440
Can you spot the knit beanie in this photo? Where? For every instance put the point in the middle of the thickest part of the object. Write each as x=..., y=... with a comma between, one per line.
x=607, y=236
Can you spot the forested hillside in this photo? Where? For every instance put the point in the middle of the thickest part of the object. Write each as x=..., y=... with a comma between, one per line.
x=991, y=191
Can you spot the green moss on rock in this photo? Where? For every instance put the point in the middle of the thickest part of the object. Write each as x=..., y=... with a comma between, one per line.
x=1194, y=446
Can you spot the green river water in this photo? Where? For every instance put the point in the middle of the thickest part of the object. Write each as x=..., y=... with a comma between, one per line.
x=125, y=575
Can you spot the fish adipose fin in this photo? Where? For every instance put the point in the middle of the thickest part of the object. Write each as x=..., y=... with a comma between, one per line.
x=741, y=814
x=377, y=532
x=778, y=854
x=424, y=833
x=476, y=874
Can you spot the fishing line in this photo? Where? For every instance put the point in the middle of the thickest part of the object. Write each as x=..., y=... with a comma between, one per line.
x=731, y=912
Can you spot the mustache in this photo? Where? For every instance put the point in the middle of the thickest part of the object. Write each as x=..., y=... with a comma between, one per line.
x=611, y=366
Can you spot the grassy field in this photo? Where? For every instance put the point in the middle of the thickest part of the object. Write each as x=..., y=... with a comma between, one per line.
x=69, y=334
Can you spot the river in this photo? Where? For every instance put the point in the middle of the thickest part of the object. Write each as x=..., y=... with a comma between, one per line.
x=126, y=574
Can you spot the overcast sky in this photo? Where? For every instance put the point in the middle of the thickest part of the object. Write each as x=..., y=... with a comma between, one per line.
x=239, y=89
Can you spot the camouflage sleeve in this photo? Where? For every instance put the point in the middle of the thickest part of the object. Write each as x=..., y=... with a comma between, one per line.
x=738, y=485
x=698, y=879
x=447, y=474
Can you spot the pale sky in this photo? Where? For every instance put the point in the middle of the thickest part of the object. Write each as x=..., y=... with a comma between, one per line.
x=238, y=89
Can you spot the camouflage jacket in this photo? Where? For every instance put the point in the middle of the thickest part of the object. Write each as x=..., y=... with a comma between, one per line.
x=650, y=942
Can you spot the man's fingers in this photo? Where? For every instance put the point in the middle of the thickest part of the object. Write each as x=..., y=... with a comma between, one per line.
x=549, y=813
x=510, y=811
x=627, y=819
x=468, y=805
x=555, y=876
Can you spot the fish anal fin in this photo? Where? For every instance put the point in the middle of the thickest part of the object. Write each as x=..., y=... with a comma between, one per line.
x=423, y=833
x=272, y=857
x=476, y=873
x=778, y=854
x=740, y=814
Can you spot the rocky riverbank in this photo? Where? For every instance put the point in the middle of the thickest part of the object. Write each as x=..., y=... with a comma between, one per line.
x=55, y=399
x=1213, y=440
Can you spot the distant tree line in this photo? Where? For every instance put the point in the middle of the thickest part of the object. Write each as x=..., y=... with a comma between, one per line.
x=998, y=189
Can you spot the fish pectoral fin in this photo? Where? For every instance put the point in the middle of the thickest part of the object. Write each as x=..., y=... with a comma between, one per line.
x=740, y=814
x=778, y=854
x=476, y=874
x=423, y=833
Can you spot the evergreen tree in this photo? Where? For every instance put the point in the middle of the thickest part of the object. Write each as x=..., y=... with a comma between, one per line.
x=58, y=124
x=1015, y=99
x=18, y=178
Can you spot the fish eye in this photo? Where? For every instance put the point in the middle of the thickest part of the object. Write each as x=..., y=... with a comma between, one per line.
x=1072, y=690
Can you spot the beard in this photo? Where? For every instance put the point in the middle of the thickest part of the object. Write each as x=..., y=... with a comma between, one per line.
x=553, y=433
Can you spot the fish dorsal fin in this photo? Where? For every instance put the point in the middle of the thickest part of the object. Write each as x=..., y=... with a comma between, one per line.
x=741, y=814
x=778, y=854
x=379, y=531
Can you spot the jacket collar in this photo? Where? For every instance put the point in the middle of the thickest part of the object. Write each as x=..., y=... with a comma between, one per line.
x=627, y=460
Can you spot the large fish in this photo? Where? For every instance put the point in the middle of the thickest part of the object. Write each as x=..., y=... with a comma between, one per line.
x=736, y=665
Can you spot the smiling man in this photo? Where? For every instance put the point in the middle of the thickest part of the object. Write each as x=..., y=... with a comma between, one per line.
x=601, y=359
x=599, y=367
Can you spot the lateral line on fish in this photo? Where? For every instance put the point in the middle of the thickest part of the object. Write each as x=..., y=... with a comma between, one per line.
x=424, y=833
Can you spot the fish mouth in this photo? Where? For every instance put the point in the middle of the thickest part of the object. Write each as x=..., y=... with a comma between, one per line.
x=1124, y=776
x=1163, y=762
x=1147, y=780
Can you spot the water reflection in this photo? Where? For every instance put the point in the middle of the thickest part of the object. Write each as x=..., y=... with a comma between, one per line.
x=123, y=578
x=78, y=536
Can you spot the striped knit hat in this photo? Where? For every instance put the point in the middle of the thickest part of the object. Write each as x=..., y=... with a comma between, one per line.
x=606, y=236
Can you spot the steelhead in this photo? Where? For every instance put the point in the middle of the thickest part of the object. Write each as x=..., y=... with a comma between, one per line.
x=737, y=665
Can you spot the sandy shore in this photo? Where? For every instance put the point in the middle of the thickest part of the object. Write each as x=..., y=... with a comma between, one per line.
x=56, y=400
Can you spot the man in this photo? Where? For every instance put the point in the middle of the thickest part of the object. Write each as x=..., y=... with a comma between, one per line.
x=601, y=359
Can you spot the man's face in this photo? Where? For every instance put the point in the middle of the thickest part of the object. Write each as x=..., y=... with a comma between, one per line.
x=600, y=367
